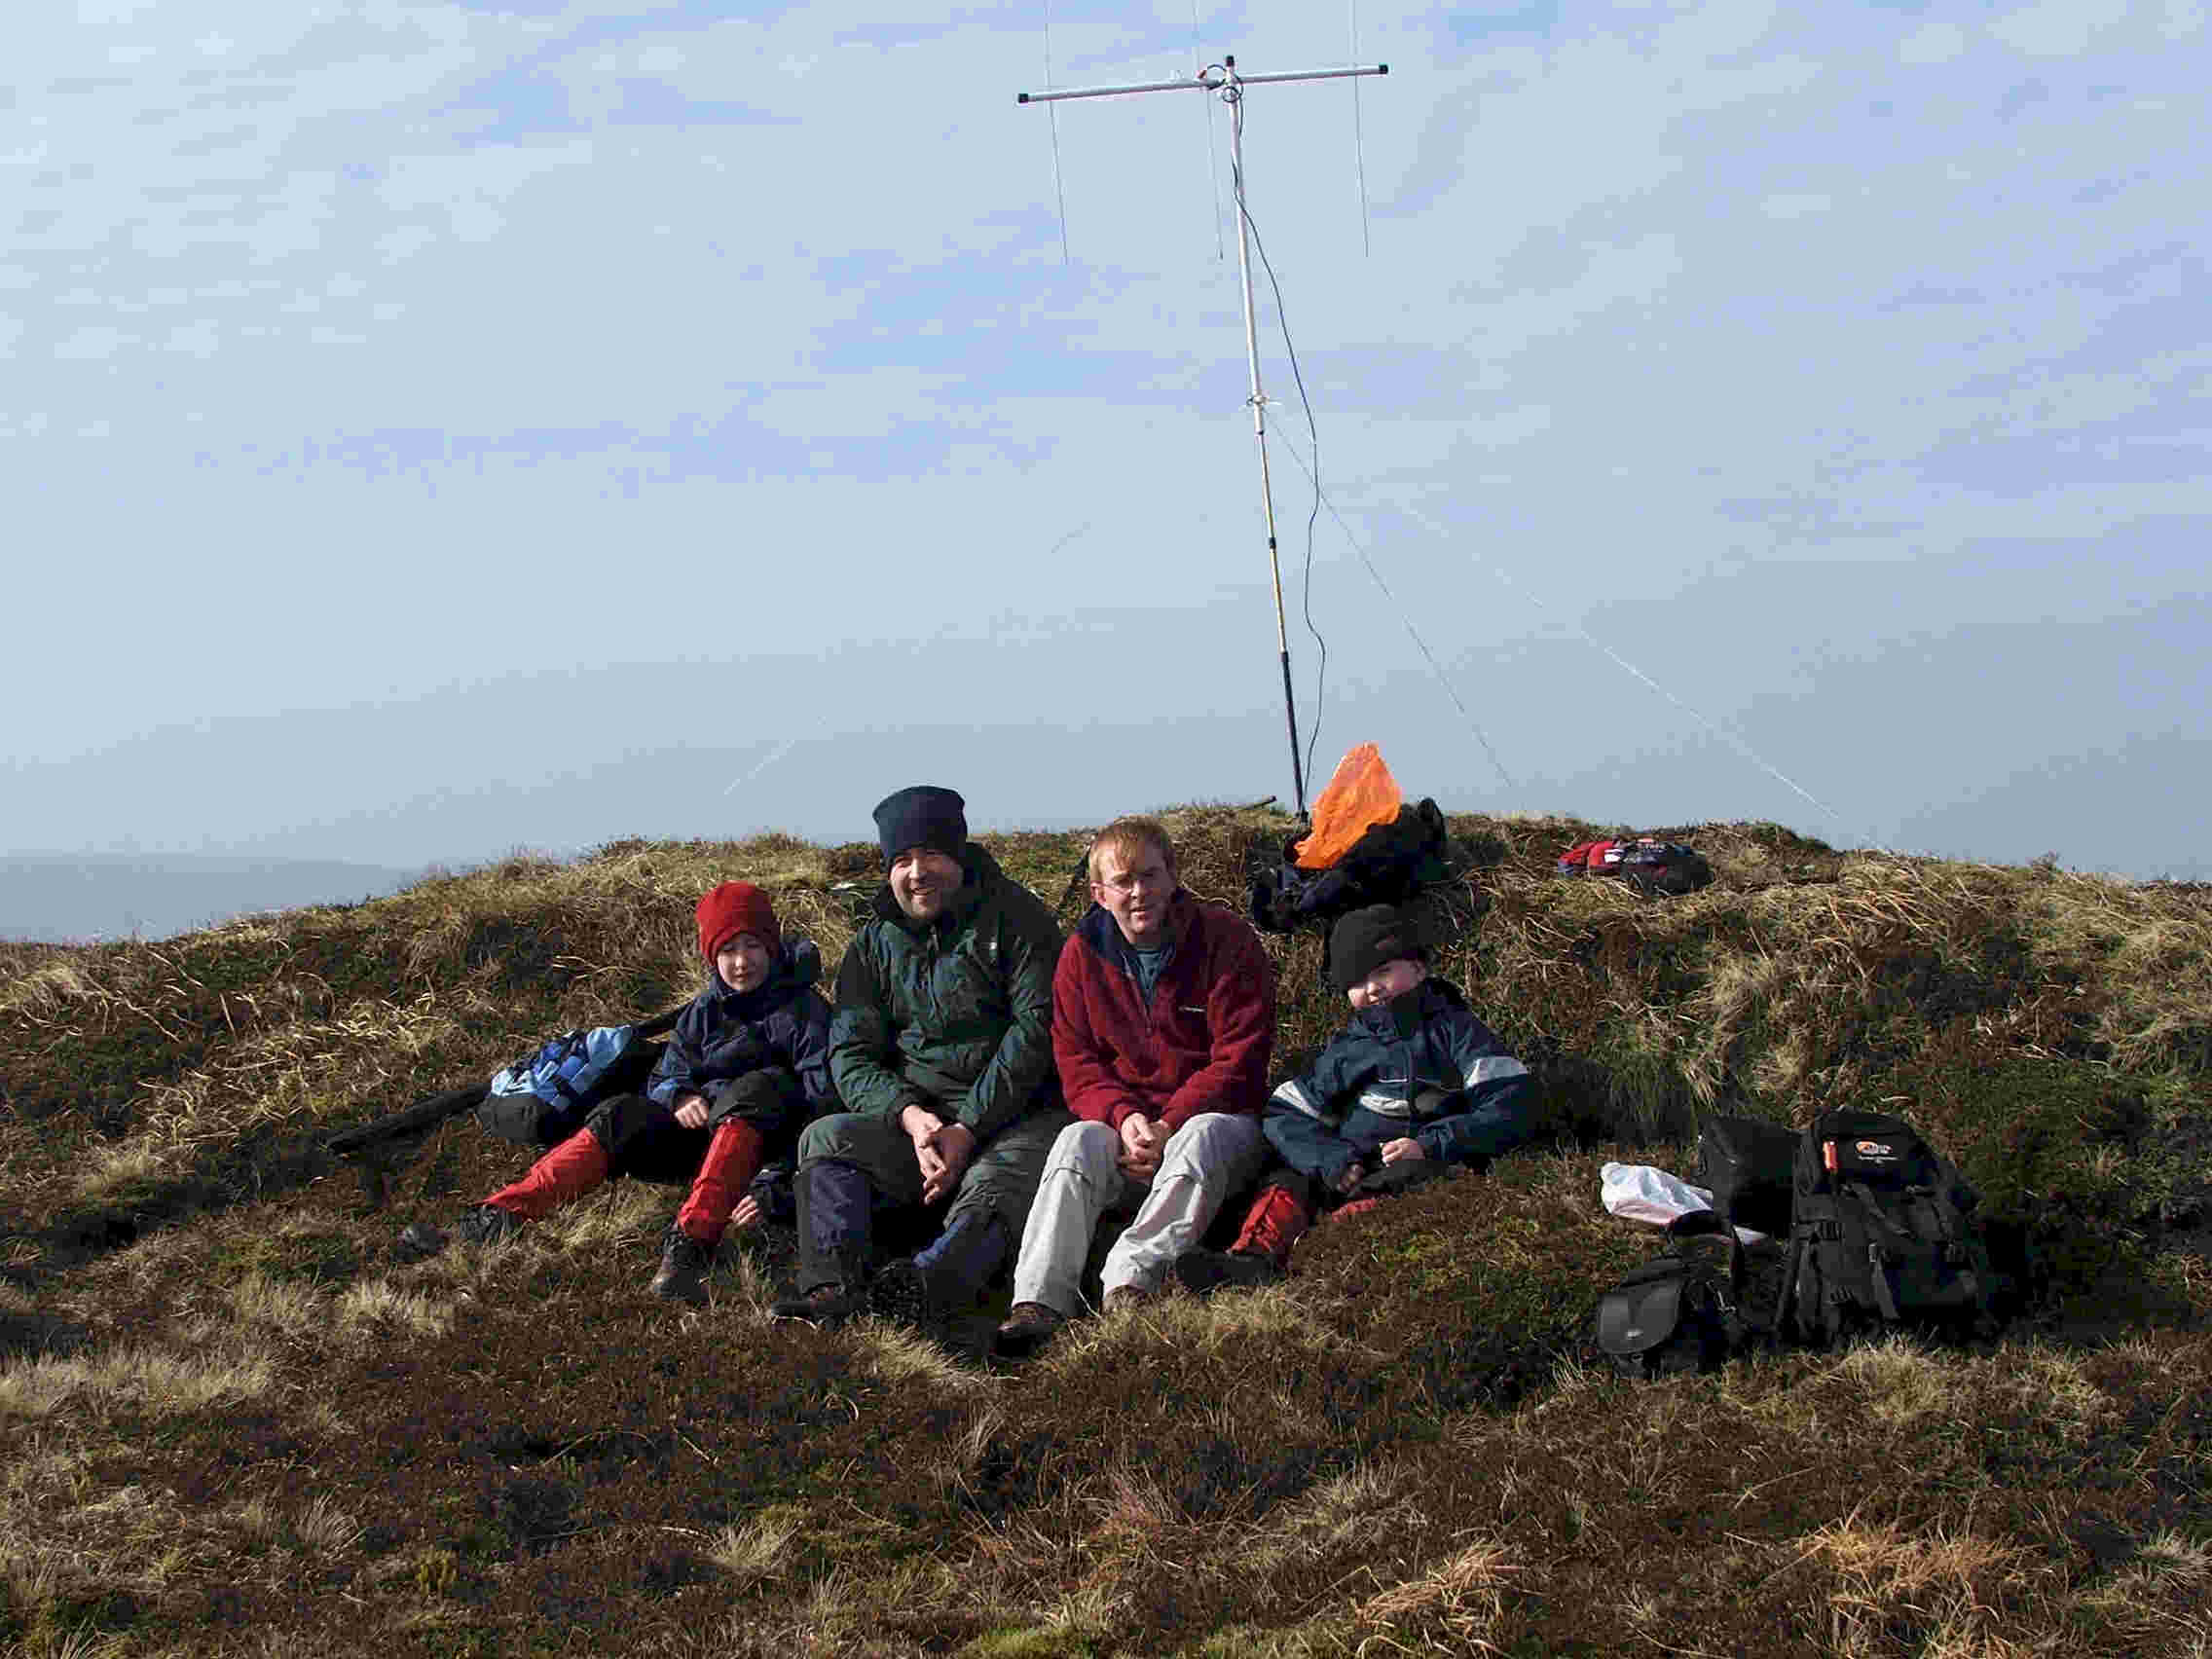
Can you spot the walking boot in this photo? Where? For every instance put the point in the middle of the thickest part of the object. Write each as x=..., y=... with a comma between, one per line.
x=1204, y=1271
x=1261, y=1255
x=683, y=1265
x=1026, y=1328
x=926, y=1289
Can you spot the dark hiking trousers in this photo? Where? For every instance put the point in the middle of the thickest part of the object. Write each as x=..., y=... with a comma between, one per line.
x=643, y=1139
x=1000, y=1181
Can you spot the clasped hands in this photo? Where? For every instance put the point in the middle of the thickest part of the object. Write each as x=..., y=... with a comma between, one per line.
x=941, y=1149
x=1143, y=1141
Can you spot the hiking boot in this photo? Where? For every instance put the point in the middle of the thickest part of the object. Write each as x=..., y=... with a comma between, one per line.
x=1028, y=1327
x=828, y=1306
x=1124, y=1297
x=903, y=1294
x=489, y=1224
x=683, y=1265
x=1204, y=1271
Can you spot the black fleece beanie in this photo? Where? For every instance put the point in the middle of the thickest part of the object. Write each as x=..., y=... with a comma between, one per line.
x=1363, y=940
x=924, y=816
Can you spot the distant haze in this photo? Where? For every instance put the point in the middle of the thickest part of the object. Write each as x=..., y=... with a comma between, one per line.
x=78, y=899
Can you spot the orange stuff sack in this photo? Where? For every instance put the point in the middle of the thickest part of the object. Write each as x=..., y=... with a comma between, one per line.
x=1360, y=796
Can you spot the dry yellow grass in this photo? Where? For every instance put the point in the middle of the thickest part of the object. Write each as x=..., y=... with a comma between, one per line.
x=224, y=1407
x=137, y=1378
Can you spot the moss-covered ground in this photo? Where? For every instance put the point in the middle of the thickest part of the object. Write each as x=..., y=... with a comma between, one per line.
x=232, y=1422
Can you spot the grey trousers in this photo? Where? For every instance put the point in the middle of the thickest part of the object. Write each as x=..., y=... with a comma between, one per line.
x=999, y=1180
x=1210, y=1158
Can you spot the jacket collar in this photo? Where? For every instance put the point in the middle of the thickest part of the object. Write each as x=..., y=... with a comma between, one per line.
x=1103, y=934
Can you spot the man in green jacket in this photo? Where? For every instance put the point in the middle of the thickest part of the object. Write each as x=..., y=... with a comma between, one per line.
x=942, y=1050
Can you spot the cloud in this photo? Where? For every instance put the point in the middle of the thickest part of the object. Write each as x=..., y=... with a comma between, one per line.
x=392, y=314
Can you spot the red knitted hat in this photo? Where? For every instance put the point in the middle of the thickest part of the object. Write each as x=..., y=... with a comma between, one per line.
x=732, y=908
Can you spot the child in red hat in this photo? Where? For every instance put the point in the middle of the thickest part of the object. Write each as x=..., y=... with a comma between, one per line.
x=745, y=1068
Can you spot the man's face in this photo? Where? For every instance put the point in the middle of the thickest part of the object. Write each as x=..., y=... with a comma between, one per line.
x=743, y=961
x=923, y=881
x=1135, y=887
x=1395, y=978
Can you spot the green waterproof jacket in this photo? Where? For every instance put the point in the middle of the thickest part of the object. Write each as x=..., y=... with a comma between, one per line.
x=954, y=1016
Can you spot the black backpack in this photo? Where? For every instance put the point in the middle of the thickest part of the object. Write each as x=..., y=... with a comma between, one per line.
x=1882, y=1236
x=1387, y=865
x=1750, y=1165
x=1679, y=1313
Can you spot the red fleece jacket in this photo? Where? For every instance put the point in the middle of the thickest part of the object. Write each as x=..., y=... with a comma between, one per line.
x=1201, y=1046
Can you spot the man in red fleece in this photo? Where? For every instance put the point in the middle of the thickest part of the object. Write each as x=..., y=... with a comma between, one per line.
x=1163, y=1016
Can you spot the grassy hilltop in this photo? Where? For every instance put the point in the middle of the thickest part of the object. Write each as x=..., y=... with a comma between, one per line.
x=231, y=1423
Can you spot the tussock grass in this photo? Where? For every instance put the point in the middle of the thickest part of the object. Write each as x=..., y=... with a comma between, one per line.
x=756, y=1550
x=900, y=1357
x=143, y=1380
x=622, y=1214
x=230, y=1421
x=381, y=1308
x=296, y=1310
x=1465, y=1596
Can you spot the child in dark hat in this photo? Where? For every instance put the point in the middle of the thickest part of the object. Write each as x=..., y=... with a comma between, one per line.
x=1414, y=1085
x=745, y=1068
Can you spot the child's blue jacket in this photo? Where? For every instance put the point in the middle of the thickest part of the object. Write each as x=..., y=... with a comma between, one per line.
x=1421, y=1065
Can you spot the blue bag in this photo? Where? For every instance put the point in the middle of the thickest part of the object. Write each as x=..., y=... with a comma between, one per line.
x=545, y=1097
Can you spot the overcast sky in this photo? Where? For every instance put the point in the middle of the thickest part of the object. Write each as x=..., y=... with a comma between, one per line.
x=432, y=429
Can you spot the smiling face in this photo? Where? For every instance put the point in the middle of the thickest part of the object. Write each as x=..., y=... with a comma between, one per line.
x=1393, y=978
x=1134, y=883
x=924, y=880
x=742, y=961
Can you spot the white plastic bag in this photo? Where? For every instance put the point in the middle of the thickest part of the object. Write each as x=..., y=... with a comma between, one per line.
x=1637, y=1192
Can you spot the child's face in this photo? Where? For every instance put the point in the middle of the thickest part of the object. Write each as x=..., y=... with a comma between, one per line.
x=743, y=962
x=1395, y=978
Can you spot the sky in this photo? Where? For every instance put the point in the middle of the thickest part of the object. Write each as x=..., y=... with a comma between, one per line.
x=438, y=429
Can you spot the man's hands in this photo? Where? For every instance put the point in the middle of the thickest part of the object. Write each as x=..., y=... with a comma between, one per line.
x=746, y=1214
x=692, y=1111
x=942, y=1150
x=1142, y=1143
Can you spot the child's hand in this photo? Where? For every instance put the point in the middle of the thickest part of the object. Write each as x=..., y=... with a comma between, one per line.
x=1402, y=1150
x=1354, y=1173
x=692, y=1111
x=746, y=1214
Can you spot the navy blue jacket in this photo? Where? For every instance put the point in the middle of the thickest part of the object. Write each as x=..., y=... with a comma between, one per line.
x=1421, y=1065
x=763, y=1055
